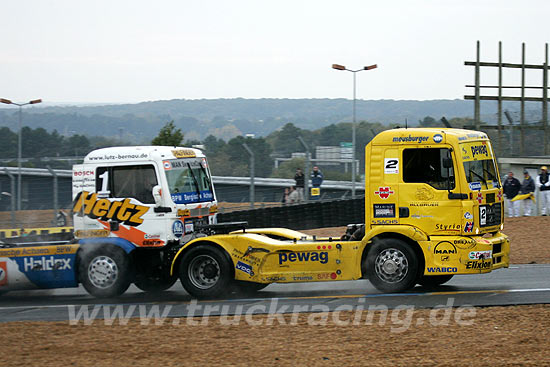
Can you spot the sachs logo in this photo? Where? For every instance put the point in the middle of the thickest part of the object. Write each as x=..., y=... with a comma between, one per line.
x=384, y=192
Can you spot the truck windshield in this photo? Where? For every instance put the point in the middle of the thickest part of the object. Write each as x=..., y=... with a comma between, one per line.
x=481, y=172
x=189, y=180
x=479, y=165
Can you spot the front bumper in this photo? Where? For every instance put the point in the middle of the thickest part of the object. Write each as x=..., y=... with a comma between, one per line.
x=445, y=255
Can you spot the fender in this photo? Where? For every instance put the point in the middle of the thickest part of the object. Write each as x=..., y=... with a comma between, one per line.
x=216, y=239
x=413, y=233
x=126, y=245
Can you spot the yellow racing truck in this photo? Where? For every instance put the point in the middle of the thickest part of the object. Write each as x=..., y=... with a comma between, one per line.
x=433, y=209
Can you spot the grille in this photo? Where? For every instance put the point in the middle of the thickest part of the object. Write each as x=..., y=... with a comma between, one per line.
x=489, y=215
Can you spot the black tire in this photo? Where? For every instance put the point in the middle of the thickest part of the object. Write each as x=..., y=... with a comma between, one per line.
x=392, y=265
x=206, y=272
x=156, y=284
x=430, y=281
x=105, y=271
x=248, y=288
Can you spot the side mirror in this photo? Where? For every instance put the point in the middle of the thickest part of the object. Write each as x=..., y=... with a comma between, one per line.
x=447, y=163
x=157, y=195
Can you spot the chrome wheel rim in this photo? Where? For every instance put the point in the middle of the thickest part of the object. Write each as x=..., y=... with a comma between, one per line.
x=102, y=272
x=204, y=271
x=391, y=265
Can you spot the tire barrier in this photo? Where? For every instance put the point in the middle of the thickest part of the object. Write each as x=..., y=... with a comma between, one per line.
x=320, y=214
x=21, y=233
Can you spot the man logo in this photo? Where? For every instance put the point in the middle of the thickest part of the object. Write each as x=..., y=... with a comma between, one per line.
x=445, y=248
x=438, y=138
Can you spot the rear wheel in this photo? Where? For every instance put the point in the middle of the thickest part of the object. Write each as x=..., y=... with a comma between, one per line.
x=430, y=281
x=205, y=272
x=392, y=265
x=105, y=271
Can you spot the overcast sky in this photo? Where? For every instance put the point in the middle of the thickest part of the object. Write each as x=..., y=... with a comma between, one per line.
x=132, y=51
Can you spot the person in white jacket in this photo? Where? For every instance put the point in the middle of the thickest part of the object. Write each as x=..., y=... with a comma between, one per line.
x=543, y=184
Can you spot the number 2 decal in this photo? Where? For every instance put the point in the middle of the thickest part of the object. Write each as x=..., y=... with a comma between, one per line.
x=391, y=165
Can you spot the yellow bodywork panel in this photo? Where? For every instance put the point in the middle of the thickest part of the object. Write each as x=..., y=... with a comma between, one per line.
x=257, y=257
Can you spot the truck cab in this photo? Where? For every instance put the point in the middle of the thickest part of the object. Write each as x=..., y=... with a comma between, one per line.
x=444, y=184
x=148, y=196
x=145, y=200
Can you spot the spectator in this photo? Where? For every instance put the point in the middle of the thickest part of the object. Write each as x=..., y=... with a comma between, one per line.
x=300, y=180
x=543, y=183
x=293, y=197
x=527, y=187
x=285, y=199
x=511, y=189
x=316, y=181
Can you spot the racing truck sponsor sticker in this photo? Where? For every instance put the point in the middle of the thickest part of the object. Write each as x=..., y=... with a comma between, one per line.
x=384, y=192
x=87, y=204
x=480, y=255
x=410, y=139
x=436, y=269
x=445, y=248
x=184, y=153
x=244, y=268
x=475, y=186
x=384, y=210
x=178, y=228
x=479, y=265
x=321, y=257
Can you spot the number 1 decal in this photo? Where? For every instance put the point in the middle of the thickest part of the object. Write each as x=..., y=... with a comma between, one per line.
x=104, y=184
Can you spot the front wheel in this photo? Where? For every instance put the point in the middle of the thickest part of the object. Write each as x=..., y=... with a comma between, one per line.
x=105, y=271
x=205, y=272
x=392, y=265
x=430, y=281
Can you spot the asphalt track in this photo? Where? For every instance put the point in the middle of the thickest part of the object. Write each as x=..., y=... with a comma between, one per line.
x=518, y=285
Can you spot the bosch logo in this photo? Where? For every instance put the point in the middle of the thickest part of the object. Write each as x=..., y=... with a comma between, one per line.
x=177, y=228
x=83, y=173
x=438, y=138
x=167, y=165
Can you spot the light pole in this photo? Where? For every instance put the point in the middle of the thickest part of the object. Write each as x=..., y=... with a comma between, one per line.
x=353, y=168
x=19, y=143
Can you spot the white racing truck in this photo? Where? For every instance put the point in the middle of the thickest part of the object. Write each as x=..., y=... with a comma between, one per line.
x=133, y=208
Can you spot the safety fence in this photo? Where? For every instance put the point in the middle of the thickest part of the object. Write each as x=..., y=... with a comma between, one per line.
x=311, y=215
